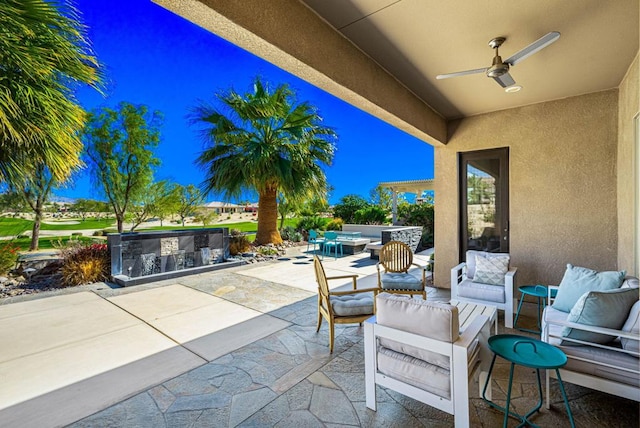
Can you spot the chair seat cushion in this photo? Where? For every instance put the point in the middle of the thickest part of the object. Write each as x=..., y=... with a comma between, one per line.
x=414, y=371
x=479, y=291
x=352, y=304
x=400, y=281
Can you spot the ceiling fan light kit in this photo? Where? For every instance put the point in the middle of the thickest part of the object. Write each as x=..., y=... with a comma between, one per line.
x=499, y=70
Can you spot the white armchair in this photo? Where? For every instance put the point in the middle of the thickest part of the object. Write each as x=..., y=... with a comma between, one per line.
x=414, y=347
x=466, y=285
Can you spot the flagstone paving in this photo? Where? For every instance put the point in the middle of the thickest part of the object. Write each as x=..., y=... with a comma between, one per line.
x=289, y=379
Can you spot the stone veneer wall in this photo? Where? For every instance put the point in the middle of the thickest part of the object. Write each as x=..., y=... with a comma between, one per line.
x=142, y=254
x=410, y=235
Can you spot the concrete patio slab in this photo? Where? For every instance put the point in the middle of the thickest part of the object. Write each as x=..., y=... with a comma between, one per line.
x=207, y=325
x=66, y=344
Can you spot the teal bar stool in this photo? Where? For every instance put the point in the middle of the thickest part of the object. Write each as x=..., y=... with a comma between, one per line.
x=538, y=291
x=530, y=353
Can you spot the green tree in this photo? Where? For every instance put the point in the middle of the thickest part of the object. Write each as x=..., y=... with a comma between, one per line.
x=150, y=202
x=119, y=152
x=44, y=56
x=205, y=216
x=189, y=197
x=12, y=201
x=268, y=143
x=168, y=204
x=83, y=207
x=36, y=189
x=347, y=207
x=381, y=197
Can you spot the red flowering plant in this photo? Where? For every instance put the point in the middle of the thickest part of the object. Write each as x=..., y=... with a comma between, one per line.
x=85, y=264
x=9, y=253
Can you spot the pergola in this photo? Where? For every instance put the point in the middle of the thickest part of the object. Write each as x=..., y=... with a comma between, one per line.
x=410, y=186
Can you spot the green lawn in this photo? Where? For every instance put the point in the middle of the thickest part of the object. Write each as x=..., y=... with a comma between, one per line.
x=17, y=226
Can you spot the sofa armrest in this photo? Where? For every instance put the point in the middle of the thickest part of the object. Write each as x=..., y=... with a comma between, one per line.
x=457, y=274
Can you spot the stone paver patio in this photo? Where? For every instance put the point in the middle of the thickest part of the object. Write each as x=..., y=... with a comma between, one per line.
x=289, y=379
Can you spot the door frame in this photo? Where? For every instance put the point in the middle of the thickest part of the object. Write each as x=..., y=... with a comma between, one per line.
x=502, y=154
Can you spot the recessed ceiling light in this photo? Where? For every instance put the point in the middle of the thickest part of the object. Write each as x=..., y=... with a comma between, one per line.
x=514, y=88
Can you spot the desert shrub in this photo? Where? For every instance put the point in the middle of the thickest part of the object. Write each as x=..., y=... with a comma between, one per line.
x=238, y=243
x=22, y=236
x=8, y=256
x=296, y=237
x=347, y=207
x=267, y=251
x=287, y=232
x=313, y=222
x=371, y=215
x=85, y=264
x=335, y=224
x=98, y=233
x=76, y=234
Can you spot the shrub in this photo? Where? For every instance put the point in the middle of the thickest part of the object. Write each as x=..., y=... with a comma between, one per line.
x=85, y=264
x=267, y=251
x=313, y=222
x=347, y=207
x=335, y=224
x=371, y=215
x=296, y=237
x=22, y=236
x=98, y=233
x=419, y=215
x=76, y=234
x=8, y=256
x=287, y=233
x=238, y=244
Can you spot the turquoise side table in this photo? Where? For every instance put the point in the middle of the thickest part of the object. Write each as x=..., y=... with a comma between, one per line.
x=538, y=291
x=530, y=353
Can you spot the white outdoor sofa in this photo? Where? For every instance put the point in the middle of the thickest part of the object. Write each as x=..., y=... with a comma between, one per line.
x=604, y=367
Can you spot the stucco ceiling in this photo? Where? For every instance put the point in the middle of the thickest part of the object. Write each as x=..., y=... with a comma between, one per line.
x=415, y=40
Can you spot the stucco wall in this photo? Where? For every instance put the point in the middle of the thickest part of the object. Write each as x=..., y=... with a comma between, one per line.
x=628, y=107
x=562, y=185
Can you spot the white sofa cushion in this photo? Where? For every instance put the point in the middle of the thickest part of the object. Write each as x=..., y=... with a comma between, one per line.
x=491, y=270
x=578, y=280
x=479, y=291
x=618, y=360
x=632, y=325
x=607, y=309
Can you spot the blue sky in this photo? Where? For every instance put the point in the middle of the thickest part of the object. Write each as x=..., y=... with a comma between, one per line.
x=154, y=57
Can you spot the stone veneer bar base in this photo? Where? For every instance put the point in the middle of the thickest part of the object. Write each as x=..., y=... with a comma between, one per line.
x=125, y=281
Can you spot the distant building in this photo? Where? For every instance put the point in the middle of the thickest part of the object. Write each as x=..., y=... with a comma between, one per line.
x=229, y=208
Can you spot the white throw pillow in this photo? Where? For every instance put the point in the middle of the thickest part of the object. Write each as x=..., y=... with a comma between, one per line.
x=491, y=270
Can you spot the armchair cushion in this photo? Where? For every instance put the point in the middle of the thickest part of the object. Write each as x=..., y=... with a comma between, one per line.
x=632, y=325
x=435, y=320
x=399, y=280
x=607, y=309
x=472, y=256
x=352, y=304
x=491, y=270
x=478, y=291
x=579, y=280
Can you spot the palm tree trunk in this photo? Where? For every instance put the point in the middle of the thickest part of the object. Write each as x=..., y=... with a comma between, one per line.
x=268, y=218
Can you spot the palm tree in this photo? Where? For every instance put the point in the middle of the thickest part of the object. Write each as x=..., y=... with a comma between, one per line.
x=43, y=55
x=267, y=143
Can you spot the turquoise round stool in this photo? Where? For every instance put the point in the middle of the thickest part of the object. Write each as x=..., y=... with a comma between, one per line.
x=526, y=352
x=538, y=291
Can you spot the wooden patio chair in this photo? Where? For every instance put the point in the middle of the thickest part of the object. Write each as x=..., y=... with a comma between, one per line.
x=341, y=307
x=396, y=258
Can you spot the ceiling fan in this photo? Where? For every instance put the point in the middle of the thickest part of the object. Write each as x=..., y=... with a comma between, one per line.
x=499, y=70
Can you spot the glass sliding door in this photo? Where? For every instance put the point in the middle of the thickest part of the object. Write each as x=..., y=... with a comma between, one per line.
x=484, y=201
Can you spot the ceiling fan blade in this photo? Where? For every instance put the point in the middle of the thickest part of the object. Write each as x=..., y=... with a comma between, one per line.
x=534, y=47
x=505, y=80
x=461, y=73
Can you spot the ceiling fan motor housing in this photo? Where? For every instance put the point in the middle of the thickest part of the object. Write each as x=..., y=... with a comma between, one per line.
x=498, y=68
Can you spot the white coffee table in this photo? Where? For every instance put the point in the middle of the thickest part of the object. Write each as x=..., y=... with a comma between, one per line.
x=467, y=312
